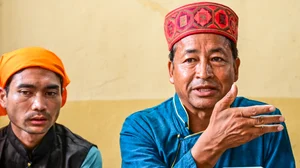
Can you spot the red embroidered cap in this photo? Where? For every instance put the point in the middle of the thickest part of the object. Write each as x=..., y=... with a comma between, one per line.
x=200, y=17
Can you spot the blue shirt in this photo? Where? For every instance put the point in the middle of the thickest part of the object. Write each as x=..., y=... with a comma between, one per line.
x=93, y=159
x=160, y=137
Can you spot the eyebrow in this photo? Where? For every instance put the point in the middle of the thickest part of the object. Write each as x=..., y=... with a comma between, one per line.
x=51, y=86
x=214, y=50
x=25, y=86
x=190, y=51
x=217, y=50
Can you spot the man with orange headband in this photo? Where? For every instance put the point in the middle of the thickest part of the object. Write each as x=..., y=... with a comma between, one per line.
x=33, y=85
x=205, y=124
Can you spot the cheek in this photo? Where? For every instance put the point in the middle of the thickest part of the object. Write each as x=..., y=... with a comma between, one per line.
x=54, y=105
x=225, y=74
x=55, y=112
x=14, y=114
x=15, y=102
x=19, y=100
x=183, y=73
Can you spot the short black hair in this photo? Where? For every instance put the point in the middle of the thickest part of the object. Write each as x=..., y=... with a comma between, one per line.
x=233, y=48
x=6, y=87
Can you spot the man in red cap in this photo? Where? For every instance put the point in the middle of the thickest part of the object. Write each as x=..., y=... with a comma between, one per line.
x=205, y=124
x=33, y=85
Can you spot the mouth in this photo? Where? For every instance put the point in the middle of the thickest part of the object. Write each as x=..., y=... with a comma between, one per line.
x=38, y=121
x=205, y=91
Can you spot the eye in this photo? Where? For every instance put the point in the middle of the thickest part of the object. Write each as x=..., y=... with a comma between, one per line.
x=25, y=92
x=190, y=60
x=51, y=94
x=217, y=59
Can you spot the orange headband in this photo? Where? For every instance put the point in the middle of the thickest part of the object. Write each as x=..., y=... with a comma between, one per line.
x=14, y=61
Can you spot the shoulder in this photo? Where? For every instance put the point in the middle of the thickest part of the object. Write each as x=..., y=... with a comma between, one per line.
x=3, y=132
x=72, y=139
x=148, y=119
x=93, y=159
x=74, y=145
x=152, y=112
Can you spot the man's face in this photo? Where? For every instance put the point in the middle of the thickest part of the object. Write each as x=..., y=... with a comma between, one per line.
x=203, y=70
x=33, y=101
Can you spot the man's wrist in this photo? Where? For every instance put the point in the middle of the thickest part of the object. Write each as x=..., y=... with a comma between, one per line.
x=206, y=152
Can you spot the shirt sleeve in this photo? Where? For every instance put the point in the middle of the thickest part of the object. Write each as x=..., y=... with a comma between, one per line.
x=138, y=149
x=186, y=161
x=93, y=159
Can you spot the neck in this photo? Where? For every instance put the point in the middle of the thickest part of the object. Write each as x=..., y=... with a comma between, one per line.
x=30, y=141
x=199, y=120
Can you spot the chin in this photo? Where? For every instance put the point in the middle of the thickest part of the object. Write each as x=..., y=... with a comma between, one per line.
x=204, y=103
x=37, y=130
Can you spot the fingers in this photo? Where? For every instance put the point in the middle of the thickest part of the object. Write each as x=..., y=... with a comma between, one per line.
x=263, y=129
x=256, y=110
x=228, y=99
x=266, y=119
x=254, y=118
x=263, y=124
x=259, y=130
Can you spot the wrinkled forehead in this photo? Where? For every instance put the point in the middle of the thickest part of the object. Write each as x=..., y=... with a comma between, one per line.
x=207, y=40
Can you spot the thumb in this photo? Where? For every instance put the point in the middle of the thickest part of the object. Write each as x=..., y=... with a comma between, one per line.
x=228, y=99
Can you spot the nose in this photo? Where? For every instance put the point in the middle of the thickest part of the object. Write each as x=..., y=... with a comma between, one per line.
x=39, y=103
x=204, y=70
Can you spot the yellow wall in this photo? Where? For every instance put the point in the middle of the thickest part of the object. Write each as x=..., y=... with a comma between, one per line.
x=116, y=55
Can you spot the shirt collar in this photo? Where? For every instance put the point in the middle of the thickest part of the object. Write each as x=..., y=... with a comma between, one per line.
x=39, y=151
x=180, y=111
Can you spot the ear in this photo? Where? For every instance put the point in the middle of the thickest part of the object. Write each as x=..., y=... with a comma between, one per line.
x=3, y=97
x=236, y=68
x=171, y=68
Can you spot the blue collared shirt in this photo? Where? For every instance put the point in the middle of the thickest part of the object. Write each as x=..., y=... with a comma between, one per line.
x=160, y=137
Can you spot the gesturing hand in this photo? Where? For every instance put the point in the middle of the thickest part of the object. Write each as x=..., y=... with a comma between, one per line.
x=231, y=127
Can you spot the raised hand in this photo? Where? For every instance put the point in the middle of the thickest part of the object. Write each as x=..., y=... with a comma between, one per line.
x=232, y=127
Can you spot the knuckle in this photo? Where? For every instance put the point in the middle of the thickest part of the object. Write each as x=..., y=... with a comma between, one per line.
x=239, y=128
x=241, y=113
x=254, y=111
x=240, y=125
x=259, y=120
x=238, y=113
x=243, y=133
x=220, y=104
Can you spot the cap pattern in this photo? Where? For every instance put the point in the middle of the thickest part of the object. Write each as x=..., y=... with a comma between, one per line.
x=201, y=17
